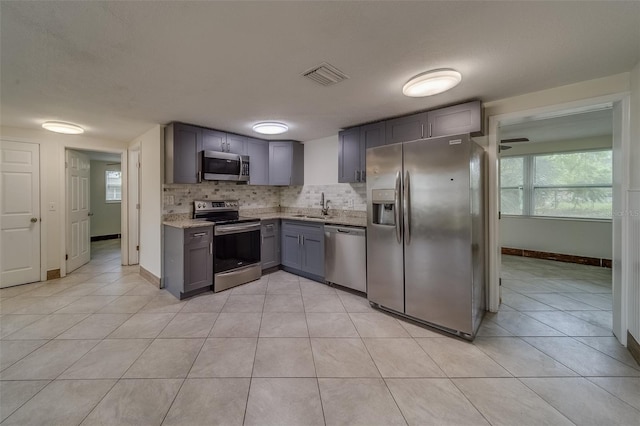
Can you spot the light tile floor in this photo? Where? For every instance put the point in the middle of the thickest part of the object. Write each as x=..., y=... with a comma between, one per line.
x=102, y=346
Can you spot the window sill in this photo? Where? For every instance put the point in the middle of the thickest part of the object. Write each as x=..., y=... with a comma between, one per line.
x=576, y=219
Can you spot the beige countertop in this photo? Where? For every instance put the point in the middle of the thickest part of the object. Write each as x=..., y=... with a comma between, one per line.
x=329, y=220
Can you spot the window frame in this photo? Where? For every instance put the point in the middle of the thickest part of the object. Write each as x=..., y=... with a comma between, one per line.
x=106, y=187
x=529, y=186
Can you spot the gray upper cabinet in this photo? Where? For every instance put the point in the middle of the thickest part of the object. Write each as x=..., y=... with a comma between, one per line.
x=182, y=145
x=213, y=140
x=236, y=144
x=373, y=135
x=404, y=129
x=352, y=150
x=258, y=151
x=454, y=120
x=349, y=156
x=286, y=163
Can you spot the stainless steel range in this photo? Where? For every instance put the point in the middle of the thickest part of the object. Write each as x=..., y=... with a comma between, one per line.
x=236, y=254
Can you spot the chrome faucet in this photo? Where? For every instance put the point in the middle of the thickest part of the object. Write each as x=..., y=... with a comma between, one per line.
x=324, y=207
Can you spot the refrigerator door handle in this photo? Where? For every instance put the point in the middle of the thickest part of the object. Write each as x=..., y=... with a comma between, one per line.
x=396, y=207
x=407, y=208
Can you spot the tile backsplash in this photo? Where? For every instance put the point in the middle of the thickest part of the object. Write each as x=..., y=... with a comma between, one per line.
x=178, y=198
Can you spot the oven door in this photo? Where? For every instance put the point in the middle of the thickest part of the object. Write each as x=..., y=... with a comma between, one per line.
x=224, y=166
x=236, y=246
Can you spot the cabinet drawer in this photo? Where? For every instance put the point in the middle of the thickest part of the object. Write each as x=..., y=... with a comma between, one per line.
x=196, y=236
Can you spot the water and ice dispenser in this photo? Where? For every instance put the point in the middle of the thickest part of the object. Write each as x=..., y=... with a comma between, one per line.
x=384, y=205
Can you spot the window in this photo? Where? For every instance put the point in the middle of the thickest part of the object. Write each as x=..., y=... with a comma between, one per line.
x=113, y=179
x=511, y=185
x=569, y=184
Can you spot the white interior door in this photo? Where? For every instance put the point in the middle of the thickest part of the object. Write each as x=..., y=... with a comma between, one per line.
x=133, y=192
x=78, y=213
x=20, y=213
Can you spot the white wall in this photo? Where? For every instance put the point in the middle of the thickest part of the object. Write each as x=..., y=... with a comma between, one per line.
x=52, y=147
x=151, y=148
x=634, y=184
x=106, y=216
x=564, y=236
x=321, y=161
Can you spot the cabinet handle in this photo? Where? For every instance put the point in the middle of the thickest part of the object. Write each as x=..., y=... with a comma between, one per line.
x=363, y=176
x=303, y=240
x=200, y=234
x=210, y=248
x=430, y=128
x=199, y=175
x=355, y=175
x=270, y=226
x=222, y=146
x=422, y=130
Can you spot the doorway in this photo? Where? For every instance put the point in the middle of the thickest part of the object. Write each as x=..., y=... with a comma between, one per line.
x=619, y=106
x=93, y=182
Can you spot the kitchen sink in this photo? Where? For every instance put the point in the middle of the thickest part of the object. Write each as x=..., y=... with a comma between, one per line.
x=308, y=216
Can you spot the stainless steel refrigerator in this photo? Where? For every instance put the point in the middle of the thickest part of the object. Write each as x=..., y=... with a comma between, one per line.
x=425, y=231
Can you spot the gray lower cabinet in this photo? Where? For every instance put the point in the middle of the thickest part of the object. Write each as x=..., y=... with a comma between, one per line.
x=188, y=260
x=258, y=151
x=286, y=163
x=303, y=248
x=455, y=120
x=270, y=253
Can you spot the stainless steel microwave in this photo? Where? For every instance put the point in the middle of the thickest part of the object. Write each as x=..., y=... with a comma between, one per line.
x=225, y=166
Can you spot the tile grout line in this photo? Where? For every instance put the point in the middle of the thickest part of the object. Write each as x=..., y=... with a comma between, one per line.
x=313, y=358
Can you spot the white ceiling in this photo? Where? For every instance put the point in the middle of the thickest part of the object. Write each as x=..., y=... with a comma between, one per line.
x=117, y=68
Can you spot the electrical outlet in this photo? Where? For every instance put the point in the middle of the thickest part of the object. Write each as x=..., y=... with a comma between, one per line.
x=52, y=206
x=350, y=203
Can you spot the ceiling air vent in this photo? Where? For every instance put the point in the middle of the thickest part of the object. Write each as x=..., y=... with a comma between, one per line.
x=325, y=74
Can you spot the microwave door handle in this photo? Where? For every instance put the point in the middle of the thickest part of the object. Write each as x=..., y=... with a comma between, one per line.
x=240, y=171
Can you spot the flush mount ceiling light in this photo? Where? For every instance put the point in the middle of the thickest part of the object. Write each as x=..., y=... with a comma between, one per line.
x=432, y=82
x=270, y=127
x=62, y=127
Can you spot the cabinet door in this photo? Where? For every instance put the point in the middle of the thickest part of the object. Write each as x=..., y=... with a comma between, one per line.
x=373, y=135
x=236, y=144
x=258, y=161
x=406, y=129
x=280, y=163
x=212, y=140
x=313, y=252
x=270, y=244
x=187, y=144
x=291, y=249
x=349, y=156
x=457, y=119
x=198, y=258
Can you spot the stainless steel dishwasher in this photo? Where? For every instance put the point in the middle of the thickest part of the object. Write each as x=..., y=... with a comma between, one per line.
x=346, y=256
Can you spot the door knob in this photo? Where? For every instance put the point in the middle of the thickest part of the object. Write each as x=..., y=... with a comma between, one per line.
x=34, y=219
x=89, y=214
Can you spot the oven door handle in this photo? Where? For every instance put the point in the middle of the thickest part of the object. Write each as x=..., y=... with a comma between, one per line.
x=235, y=229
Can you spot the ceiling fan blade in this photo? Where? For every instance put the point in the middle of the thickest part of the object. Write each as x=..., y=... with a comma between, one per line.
x=514, y=140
